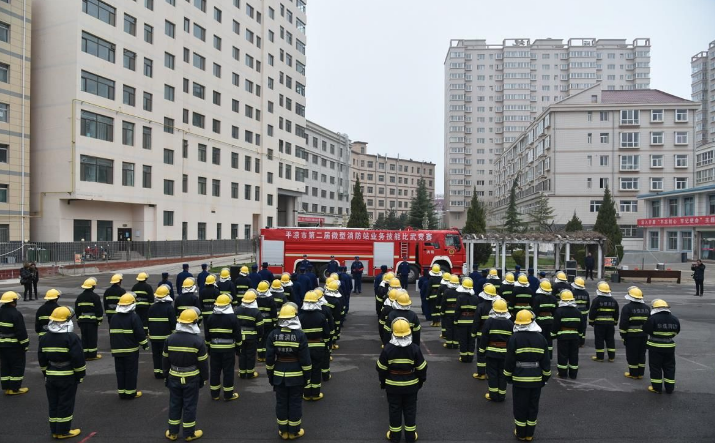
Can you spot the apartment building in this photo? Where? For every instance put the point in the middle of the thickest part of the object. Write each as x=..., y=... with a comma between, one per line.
x=703, y=91
x=493, y=93
x=326, y=201
x=166, y=119
x=15, y=59
x=634, y=142
x=388, y=183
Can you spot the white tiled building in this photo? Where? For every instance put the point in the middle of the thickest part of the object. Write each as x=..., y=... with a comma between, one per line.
x=493, y=92
x=631, y=141
x=703, y=91
x=166, y=119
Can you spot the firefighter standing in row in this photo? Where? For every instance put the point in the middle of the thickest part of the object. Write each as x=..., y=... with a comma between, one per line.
x=464, y=318
x=208, y=296
x=88, y=308
x=268, y=309
x=486, y=298
x=567, y=329
x=493, y=278
x=379, y=277
x=223, y=340
x=386, y=286
x=188, y=296
x=561, y=282
x=242, y=283
x=111, y=296
x=185, y=365
x=251, y=322
x=325, y=367
x=288, y=366
x=287, y=286
x=333, y=299
x=447, y=307
x=402, y=308
x=506, y=291
x=633, y=317
x=661, y=327
x=162, y=323
x=277, y=293
x=544, y=304
x=527, y=367
x=381, y=291
x=583, y=302
x=317, y=331
x=14, y=343
x=521, y=295
x=165, y=281
x=402, y=370
x=603, y=316
x=388, y=306
x=42, y=316
x=126, y=335
x=492, y=345
x=61, y=359
x=145, y=296
x=443, y=285
x=226, y=286
x=435, y=280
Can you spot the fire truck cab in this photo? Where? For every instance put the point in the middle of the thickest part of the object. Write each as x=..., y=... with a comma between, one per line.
x=283, y=249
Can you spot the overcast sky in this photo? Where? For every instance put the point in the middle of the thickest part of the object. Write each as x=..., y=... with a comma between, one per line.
x=375, y=67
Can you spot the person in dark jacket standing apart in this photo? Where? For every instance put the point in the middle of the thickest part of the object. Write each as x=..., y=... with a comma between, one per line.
x=403, y=272
x=264, y=273
x=492, y=345
x=603, y=316
x=165, y=281
x=527, y=367
x=185, y=365
x=62, y=362
x=356, y=270
x=589, y=263
x=162, y=322
x=333, y=266
x=201, y=278
x=698, y=269
x=145, y=296
x=633, y=317
x=112, y=295
x=181, y=276
x=89, y=311
x=305, y=263
x=13, y=345
x=223, y=337
x=126, y=335
x=402, y=370
x=254, y=276
x=661, y=327
x=35, y=277
x=26, y=281
x=288, y=366
x=251, y=321
x=42, y=316
x=567, y=330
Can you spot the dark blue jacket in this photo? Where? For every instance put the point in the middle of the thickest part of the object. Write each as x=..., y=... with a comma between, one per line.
x=266, y=275
x=305, y=282
x=403, y=269
x=167, y=283
x=423, y=284
x=201, y=278
x=298, y=292
x=255, y=279
x=475, y=276
x=479, y=283
x=332, y=266
x=346, y=284
x=378, y=279
x=533, y=283
x=180, y=277
x=357, y=267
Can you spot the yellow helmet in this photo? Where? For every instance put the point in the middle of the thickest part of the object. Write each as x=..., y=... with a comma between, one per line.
x=400, y=327
x=328, y=280
x=9, y=297
x=143, y=276
x=454, y=279
x=127, y=299
x=244, y=270
x=189, y=282
x=604, y=287
x=579, y=282
x=334, y=276
x=388, y=276
x=320, y=292
x=545, y=285
x=524, y=317
x=490, y=289
x=249, y=296
x=509, y=277
x=89, y=283
x=566, y=295
x=395, y=283
x=310, y=297
x=333, y=285
x=561, y=276
x=436, y=268
x=285, y=277
x=493, y=272
x=225, y=273
x=403, y=299
x=61, y=314
x=392, y=294
x=468, y=283
x=288, y=310
x=446, y=276
x=52, y=294
x=523, y=279
x=276, y=284
x=499, y=305
x=635, y=292
x=210, y=279
x=116, y=278
x=262, y=286
x=188, y=316
x=162, y=291
x=659, y=303
x=223, y=300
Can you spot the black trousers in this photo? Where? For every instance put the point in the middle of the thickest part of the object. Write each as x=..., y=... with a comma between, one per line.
x=404, y=281
x=699, y=286
x=546, y=332
x=289, y=408
x=434, y=309
x=28, y=289
x=466, y=343
x=662, y=369
x=481, y=360
x=127, y=369
x=60, y=396
x=222, y=362
x=183, y=398
x=604, y=333
x=635, y=355
x=12, y=368
x=584, y=323
x=526, y=409
x=567, y=354
x=317, y=354
x=357, y=286
x=89, y=338
x=34, y=287
x=449, y=332
x=157, y=347
x=267, y=328
x=589, y=272
x=325, y=366
x=402, y=406
x=496, y=379
x=247, y=359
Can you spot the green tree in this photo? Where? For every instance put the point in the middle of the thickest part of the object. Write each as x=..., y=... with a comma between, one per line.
x=607, y=224
x=477, y=224
x=422, y=207
x=403, y=219
x=513, y=222
x=574, y=225
x=392, y=221
x=380, y=223
x=542, y=215
x=358, y=209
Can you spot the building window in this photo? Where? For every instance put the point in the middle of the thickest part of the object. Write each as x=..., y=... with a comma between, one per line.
x=234, y=190
x=246, y=232
x=148, y=67
x=247, y=192
x=130, y=25
x=247, y=163
x=168, y=125
x=595, y=205
x=3, y=193
x=681, y=160
x=198, y=120
x=82, y=230
x=604, y=137
x=656, y=161
x=681, y=115
x=603, y=116
x=202, y=153
x=681, y=138
x=216, y=126
x=100, y=10
x=169, y=93
x=655, y=208
x=199, y=61
x=148, y=34
x=628, y=206
x=184, y=230
x=201, y=235
x=630, y=162
x=672, y=243
x=169, y=60
x=202, y=185
x=129, y=95
x=629, y=231
x=628, y=183
x=630, y=139
x=216, y=156
x=146, y=137
x=168, y=218
x=656, y=116
x=93, y=84
x=656, y=184
x=654, y=240
x=686, y=241
x=681, y=182
x=128, y=134
x=656, y=138
x=146, y=176
x=630, y=117
x=105, y=229
x=688, y=206
x=168, y=187
x=216, y=188
x=97, y=47
x=97, y=170
x=130, y=60
x=184, y=183
x=169, y=29
x=97, y=126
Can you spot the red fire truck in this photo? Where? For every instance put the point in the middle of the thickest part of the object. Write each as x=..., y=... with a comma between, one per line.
x=283, y=248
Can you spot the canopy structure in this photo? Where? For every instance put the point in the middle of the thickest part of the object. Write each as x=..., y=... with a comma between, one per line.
x=558, y=239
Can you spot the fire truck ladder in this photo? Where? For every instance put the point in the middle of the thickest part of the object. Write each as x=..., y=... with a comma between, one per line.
x=404, y=249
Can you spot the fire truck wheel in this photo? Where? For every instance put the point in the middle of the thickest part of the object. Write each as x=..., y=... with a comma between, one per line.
x=414, y=274
x=322, y=272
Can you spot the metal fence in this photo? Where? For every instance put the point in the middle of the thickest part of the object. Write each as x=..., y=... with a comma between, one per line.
x=70, y=252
